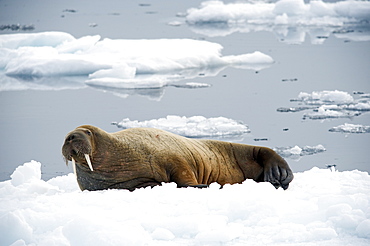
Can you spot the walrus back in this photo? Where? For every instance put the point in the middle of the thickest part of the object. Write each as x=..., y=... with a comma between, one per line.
x=209, y=160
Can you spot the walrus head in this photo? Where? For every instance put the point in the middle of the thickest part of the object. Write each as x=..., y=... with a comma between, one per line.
x=102, y=161
x=78, y=146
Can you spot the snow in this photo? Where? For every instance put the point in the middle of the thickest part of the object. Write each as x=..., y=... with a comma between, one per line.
x=330, y=105
x=288, y=19
x=118, y=63
x=195, y=126
x=321, y=207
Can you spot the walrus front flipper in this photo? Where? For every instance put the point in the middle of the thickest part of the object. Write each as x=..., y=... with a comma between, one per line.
x=278, y=176
x=275, y=169
x=289, y=177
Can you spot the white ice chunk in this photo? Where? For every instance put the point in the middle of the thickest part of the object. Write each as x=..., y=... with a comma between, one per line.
x=296, y=152
x=195, y=126
x=350, y=128
x=321, y=97
x=330, y=105
x=26, y=173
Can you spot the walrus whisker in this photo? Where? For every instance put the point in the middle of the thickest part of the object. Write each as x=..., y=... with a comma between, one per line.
x=87, y=157
x=74, y=166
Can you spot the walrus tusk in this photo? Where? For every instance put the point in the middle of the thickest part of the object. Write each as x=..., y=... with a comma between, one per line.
x=74, y=166
x=87, y=157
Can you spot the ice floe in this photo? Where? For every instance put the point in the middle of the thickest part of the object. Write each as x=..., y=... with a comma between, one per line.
x=17, y=27
x=325, y=97
x=114, y=63
x=350, y=128
x=320, y=207
x=192, y=85
x=297, y=152
x=195, y=126
x=330, y=104
x=290, y=20
x=329, y=112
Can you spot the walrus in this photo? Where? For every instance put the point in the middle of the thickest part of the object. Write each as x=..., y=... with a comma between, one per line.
x=141, y=157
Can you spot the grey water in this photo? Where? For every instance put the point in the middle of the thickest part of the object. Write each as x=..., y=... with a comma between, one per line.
x=33, y=123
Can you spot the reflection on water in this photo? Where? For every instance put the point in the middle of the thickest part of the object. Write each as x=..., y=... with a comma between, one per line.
x=27, y=82
x=155, y=94
x=151, y=86
x=286, y=34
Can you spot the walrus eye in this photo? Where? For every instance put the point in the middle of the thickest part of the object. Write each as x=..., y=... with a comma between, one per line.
x=88, y=132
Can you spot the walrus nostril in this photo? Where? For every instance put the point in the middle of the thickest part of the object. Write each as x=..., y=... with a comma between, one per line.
x=70, y=137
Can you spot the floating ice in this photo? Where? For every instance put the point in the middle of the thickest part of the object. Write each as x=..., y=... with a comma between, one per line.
x=290, y=20
x=17, y=27
x=293, y=109
x=117, y=63
x=361, y=106
x=325, y=97
x=195, y=126
x=296, y=152
x=319, y=208
x=329, y=112
x=350, y=128
x=175, y=23
x=192, y=85
x=330, y=105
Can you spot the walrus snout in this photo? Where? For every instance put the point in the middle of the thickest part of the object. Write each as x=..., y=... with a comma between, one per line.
x=77, y=147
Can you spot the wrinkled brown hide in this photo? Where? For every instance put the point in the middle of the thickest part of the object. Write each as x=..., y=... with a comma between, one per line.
x=141, y=157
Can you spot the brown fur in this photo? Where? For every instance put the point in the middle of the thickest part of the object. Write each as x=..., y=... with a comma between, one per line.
x=140, y=157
